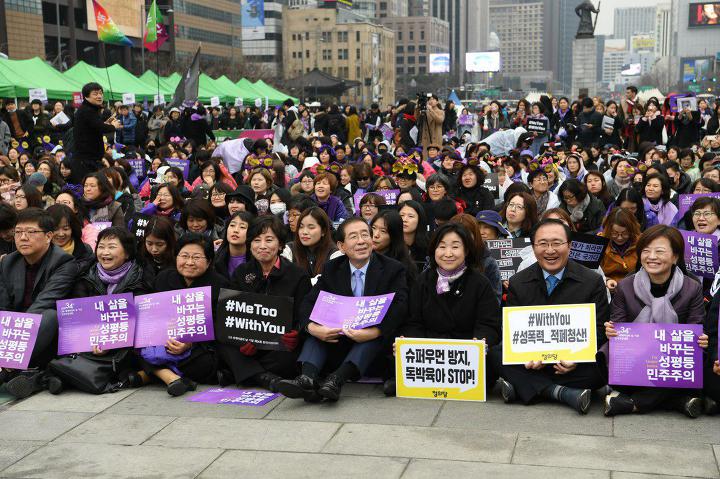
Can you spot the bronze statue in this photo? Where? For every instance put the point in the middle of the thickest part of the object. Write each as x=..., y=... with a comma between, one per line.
x=586, y=28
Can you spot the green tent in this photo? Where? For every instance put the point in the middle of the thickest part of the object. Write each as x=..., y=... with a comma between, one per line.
x=208, y=89
x=18, y=76
x=121, y=81
x=151, y=79
x=231, y=89
x=253, y=92
x=276, y=96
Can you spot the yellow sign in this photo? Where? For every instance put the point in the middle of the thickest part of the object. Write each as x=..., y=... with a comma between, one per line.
x=563, y=332
x=440, y=369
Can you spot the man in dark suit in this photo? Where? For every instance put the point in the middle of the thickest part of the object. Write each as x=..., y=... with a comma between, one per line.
x=554, y=279
x=348, y=353
x=31, y=280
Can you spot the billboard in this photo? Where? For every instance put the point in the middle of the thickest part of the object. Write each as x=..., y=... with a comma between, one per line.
x=482, y=61
x=704, y=14
x=642, y=42
x=631, y=69
x=252, y=18
x=128, y=15
x=695, y=68
x=439, y=63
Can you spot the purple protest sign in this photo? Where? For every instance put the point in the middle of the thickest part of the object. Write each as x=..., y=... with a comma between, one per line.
x=387, y=131
x=390, y=196
x=656, y=355
x=104, y=321
x=184, y=314
x=685, y=202
x=349, y=312
x=237, y=397
x=18, y=332
x=184, y=165
x=138, y=166
x=701, y=253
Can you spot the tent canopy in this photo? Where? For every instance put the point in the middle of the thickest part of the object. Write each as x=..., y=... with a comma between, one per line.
x=247, y=85
x=151, y=78
x=275, y=96
x=121, y=80
x=19, y=76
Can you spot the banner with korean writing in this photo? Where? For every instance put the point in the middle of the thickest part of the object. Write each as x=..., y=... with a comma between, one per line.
x=107, y=322
x=260, y=319
x=701, y=253
x=507, y=254
x=563, y=332
x=138, y=166
x=236, y=397
x=686, y=201
x=18, y=333
x=389, y=195
x=350, y=312
x=587, y=249
x=451, y=369
x=656, y=355
x=184, y=165
x=185, y=315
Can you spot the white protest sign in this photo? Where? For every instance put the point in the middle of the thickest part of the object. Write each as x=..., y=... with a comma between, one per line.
x=215, y=101
x=238, y=101
x=159, y=99
x=551, y=334
x=128, y=99
x=267, y=103
x=38, y=94
x=59, y=119
x=258, y=102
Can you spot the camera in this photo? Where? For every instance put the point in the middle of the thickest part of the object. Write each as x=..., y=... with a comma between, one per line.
x=422, y=99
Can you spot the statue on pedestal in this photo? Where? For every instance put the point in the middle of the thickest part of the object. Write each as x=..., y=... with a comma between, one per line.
x=586, y=28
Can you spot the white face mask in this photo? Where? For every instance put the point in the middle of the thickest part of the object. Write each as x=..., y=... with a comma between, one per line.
x=277, y=208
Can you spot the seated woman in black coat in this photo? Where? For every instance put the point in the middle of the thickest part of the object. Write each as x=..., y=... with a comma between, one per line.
x=266, y=272
x=191, y=363
x=232, y=252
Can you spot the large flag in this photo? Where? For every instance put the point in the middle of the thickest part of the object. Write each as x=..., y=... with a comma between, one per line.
x=155, y=32
x=186, y=92
x=107, y=31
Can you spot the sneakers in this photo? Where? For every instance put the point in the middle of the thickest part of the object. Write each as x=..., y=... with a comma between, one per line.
x=507, y=391
x=618, y=403
x=25, y=384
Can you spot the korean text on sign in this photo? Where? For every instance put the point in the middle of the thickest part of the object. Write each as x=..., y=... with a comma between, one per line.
x=440, y=369
x=18, y=333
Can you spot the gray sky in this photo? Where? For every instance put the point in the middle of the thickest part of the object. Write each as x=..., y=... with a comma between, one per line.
x=607, y=7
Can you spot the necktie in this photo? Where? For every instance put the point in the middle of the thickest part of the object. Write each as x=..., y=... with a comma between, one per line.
x=551, y=282
x=358, y=284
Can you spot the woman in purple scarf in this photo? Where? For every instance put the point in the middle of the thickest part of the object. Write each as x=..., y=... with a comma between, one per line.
x=325, y=184
x=656, y=196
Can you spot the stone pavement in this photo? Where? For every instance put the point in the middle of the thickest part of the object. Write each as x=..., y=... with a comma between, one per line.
x=146, y=433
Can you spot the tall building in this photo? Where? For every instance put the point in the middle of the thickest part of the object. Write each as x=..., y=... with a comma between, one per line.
x=693, y=47
x=19, y=33
x=345, y=46
x=418, y=8
x=614, y=57
x=391, y=8
x=663, y=30
x=263, y=46
x=520, y=26
x=415, y=39
x=633, y=20
x=469, y=30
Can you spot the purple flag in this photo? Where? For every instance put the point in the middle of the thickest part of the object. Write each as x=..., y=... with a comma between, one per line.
x=685, y=202
x=656, y=355
x=238, y=397
x=701, y=253
x=349, y=312
x=184, y=165
x=18, y=332
x=104, y=321
x=390, y=196
x=185, y=315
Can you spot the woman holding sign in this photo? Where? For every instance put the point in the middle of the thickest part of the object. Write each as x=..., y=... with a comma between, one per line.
x=266, y=272
x=658, y=292
x=180, y=365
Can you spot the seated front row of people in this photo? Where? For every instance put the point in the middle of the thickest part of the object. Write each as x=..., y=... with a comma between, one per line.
x=451, y=299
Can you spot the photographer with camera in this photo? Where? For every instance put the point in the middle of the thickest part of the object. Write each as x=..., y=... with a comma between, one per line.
x=430, y=117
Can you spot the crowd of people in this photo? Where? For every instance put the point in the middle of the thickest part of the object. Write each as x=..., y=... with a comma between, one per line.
x=283, y=222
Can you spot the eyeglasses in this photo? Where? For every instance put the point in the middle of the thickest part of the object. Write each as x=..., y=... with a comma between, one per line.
x=515, y=206
x=703, y=214
x=436, y=187
x=218, y=194
x=568, y=197
x=20, y=233
x=615, y=234
x=548, y=244
x=540, y=179
x=368, y=206
x=196, y=258
x=163, y=196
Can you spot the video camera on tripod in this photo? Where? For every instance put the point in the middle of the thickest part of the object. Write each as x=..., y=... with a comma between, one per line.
x=422, y=99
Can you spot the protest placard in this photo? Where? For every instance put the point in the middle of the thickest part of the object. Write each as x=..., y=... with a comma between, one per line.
x=38, y=94
x=507, y=254
x=389, y=195
x=701, y=253
x=184, y=165
x=104, y=321
x=128, y=99
x=608, y=123
x=159, y=99
x=238, y=101
x=563, y=332
x=538, y=125
x=215, y=101
x=587, y=249
x=138, y=166
x=236, y=397
x=656, y=355
x=18, y=333
x=685, y=202
x=387, y=131
x=140, y=223
x=451, y=369
x=492, y=184
x=350, y=312
x=77, y=99
x=260, y=319
x=60, y=119
x=185, y=315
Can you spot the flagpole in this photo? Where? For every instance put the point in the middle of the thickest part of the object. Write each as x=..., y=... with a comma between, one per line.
x=107, y=72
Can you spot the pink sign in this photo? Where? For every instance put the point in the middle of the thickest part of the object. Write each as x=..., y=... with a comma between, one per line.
x=257, y=134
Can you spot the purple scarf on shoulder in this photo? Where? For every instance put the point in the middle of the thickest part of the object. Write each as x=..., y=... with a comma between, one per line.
x=113, y=278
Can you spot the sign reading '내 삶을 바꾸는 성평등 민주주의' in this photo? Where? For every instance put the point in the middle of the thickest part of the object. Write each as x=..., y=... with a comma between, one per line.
x=18, y=333
x=350, y=312
x=549, y=333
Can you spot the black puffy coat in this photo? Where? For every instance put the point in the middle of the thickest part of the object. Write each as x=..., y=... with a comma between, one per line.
x=137, y=280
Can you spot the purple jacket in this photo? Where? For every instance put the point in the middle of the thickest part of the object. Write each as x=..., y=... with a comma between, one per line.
x=333, y=207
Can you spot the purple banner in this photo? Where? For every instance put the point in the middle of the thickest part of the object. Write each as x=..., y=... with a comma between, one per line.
x=185, y=315
x=656, y=355
x=18, y=333
x=257, y=134
x=390, y=196
x=184, y=165
x=138, y=166
x=685, y=202
x=104, y=321
x=701, y=253
x=237, y=397
x=349, y=312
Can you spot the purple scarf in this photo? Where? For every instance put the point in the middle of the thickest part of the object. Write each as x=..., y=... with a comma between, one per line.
x=113, y=278
x=446, y=277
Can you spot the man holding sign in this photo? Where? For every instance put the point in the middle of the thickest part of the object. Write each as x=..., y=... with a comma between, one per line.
x=553, y=280
x=347, y=352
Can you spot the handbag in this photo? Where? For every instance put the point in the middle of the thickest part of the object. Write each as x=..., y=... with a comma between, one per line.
x=90, y=373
